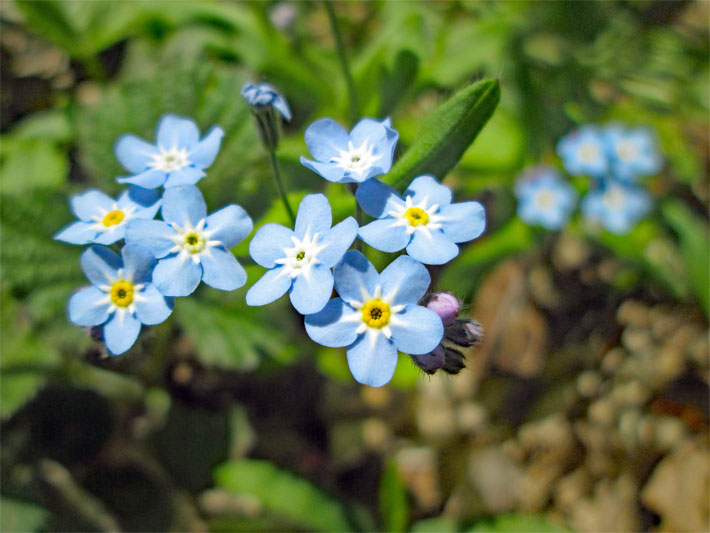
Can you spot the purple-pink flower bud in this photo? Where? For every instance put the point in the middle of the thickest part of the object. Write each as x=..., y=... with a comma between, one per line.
x=430, y=362
x=446, y=305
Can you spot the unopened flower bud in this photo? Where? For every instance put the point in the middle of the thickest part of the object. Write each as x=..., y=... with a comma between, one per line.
x=430, y=362
x=265, y=102
x=453, y=361
x=464, y=332
x=444, y=304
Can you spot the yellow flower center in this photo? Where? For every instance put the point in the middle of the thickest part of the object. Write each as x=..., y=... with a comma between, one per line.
x=112, y=218
x=300, y=255
x=122, y=293
x=194, y=242
x=416, y=216
x=376, y=313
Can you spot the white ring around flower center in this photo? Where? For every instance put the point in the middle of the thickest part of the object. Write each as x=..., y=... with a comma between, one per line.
x=614, y=198
x=399, y=213
x=121, y=310
x=299, y=259
x=169, y=160
x=376, y=295
x=357, y=159
x=545, y=200
x=192, y=241
x=626, y=150
x=588, y=153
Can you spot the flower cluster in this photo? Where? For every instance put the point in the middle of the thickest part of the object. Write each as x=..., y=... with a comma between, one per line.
x=615, y=158
x=159, y=259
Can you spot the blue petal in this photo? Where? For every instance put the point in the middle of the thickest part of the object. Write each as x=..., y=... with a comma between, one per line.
x=183, y=204
x=150, y=179
x=337, y=240
x=385, y=235
x=205, y=152
x=175, y=276
x=151, y=306
x=310, y=293
x=85, y=309
x=140, y=197
x=353, y=274
x=329, y=171
x=416, y=330
x=77, y=233
x=314, y=216
x=177, y=132
x=138, y=263
x=281, y=106
x=231, y=225
x=268, y=244
x=335, y=326
x=463, y=222
x=426, y=188
x=109, y=235
x=134, y=153
x=221, y=270
x=325, y=138
x=404, y=281
x=432, y=248
x=269, y=287
x=377, y=199
x=100, y=264
x=152, y=234
x=184, y=176
x=90, y=204
x=121, y=334
x=381, y=135
x=372, y=359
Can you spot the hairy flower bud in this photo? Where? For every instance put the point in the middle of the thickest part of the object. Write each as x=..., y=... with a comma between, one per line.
x=453, y=361
x=464, y=332
x=430, y=362
x=444, y=304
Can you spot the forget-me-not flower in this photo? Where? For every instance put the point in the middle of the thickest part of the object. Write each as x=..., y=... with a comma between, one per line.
x=376, y=315
x=632, y=152
x=263, y=95
x=300, y=260
x=191, y=246
x=179, y=157
x=424, y=221
x=122, y=296
x=545, y=198
x=617, y=207
x=343, y=157
x=583, y=152
x=102, y=219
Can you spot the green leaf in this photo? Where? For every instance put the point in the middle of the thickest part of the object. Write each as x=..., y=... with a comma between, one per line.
x=693, y=239
x=445, y=137
x=394, y=506
x=31, y=163
x=283, y=494
x=16, y=515
x=440, y=524
x=516, y=523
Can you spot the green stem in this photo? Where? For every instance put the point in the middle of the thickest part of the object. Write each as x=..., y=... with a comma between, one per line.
x=280, y=185
x=340, y=46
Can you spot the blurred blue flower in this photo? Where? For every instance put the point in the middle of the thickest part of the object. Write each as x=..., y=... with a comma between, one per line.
x=632, y=152
x=122, y=296
x=376, y=315
x=353, y=157
x=102, y=219
x=583, y=152
x=263, y=95
x=300, y=260
x=179, y=157
x=545, y=198
x=617, y=207
x=424, y=221
x=192, y=246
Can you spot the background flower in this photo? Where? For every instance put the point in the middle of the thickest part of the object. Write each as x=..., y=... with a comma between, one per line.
x=633, y=152
x=583, y=152
x=545, y=198
x=616, y=207
x=263, y=95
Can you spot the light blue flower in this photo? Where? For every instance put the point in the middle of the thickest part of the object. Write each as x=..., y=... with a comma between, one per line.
x=353, y=157
x=179, y=157
x=376, y=315
x=424, y=221
x=300, y=260
x=633, y=152
x=617, y=207
x=263, y=95
x=102, y=219
x=545, y=198
x=122, y=296
x=583, y=152
x=192, y=246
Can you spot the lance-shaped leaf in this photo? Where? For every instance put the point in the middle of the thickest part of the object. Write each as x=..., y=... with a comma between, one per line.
x=447, y=134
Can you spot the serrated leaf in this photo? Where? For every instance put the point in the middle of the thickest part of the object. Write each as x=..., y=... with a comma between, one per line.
x=394, y=506
x=284, y=494
x=447, y=134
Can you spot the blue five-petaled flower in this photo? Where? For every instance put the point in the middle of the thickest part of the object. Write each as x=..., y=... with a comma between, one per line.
x=545, y=198
x=121, y=297
x=300, y=260
x=263, y=95
x=353, y=157
x=102, y=219
x=617, y=207
x=583, y=152
x=192, y=246
x=633, y=152
x=179, y=157
x=424, y=221
x=376, y=315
